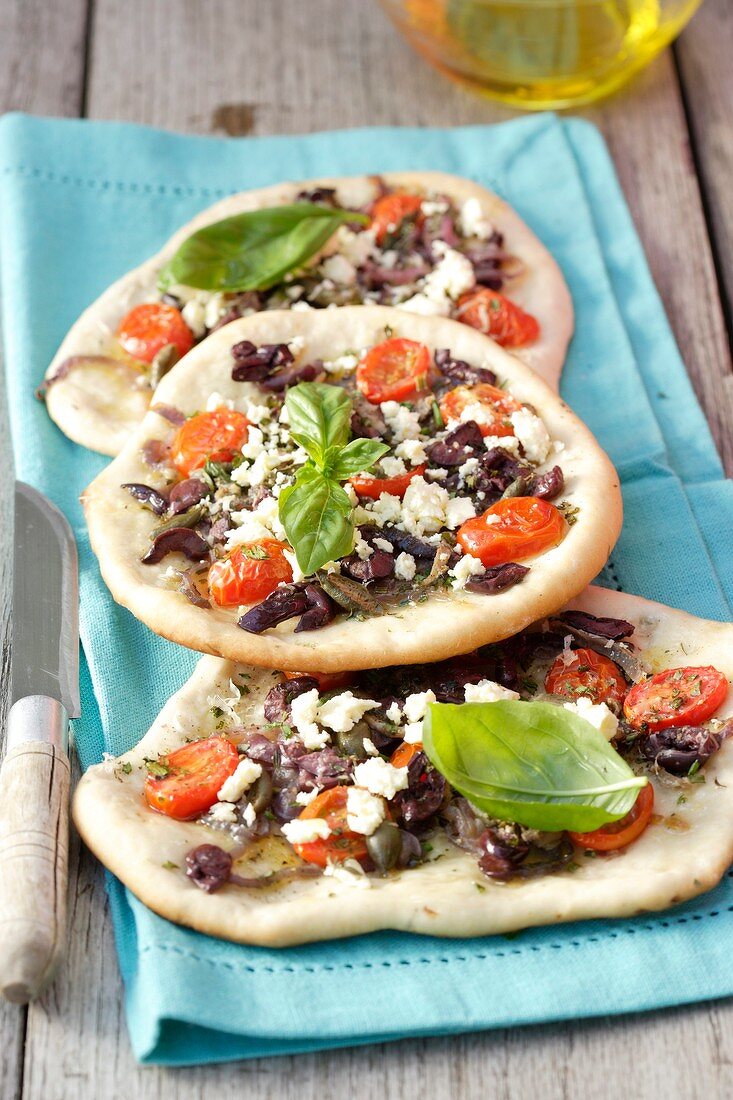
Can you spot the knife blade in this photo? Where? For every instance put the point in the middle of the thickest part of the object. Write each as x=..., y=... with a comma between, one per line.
x=35, y=775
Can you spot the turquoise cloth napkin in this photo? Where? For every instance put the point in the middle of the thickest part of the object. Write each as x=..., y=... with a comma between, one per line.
x=83, y=202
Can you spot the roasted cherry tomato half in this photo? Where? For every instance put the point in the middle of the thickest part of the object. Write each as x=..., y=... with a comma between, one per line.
x=498, y=317
x=194, y=775
x=525, y=526
x=676, y=697
x=620, y=833
x=148, y=328
x=249, y=573
x=217, y=436
x=590, y=674
x=327, y=681
x=494, y=407
x=342, y=843
x=389, y=212
x=404, y=753
x=373, y=487
x=393, y=370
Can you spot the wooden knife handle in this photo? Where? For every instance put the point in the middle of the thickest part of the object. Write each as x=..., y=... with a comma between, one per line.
x=34, y=847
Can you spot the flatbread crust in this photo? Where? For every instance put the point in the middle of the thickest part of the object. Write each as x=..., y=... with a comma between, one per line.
x=443, y=625
x=675, y=859
x=101, y=411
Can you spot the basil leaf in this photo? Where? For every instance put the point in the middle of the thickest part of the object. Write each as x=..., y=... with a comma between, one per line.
x=319, y=417
x=316, y=514
x=356, y=456
x=533, y=763
x=254, y=250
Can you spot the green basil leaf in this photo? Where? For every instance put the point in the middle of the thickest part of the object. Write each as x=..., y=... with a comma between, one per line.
x=254, y=250
x=533, y=763
x=356, y=456
x=319, y=417
x=316, y=514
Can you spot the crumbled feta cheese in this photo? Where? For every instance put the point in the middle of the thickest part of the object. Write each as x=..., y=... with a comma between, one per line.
x=416, y=705
x=216, y=307
x=342, y=364
x=249, y=815
x=468, y=469
x=215, y=401
x=412, y=733
x=304, y=798
x=267, y=512
x=423, y=507
x=507, y=442
x=349, y=872
x=474, y=221
x=303, y=713
x=369, y=747
x=387, y=509
x=412, y=451
x=300, y=307
x=255, y=444
x=598, y=714
x=393, y=467
x=487, y=691
x=427, y=307
x=466, y=567
x=296, y=345
x=401, y=421
x=298, y=574
x=362, y=549
x=437, y=473
x=379, y=777
x=394, y=713
x=194, y=314
x=256, y=414
x=457, y=511
x=452, y=276
x=339, y=269
x=249, y=530
x=241, y=779
x=365, y=812
x=532, y=434
x=305, y=831
x=404, y=566
x=355, y=247
x=342, y=712
x=429, y=206
x=223, y=813
x=380, y=544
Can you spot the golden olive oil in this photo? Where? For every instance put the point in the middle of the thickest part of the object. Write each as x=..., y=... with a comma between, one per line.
x=541, y=53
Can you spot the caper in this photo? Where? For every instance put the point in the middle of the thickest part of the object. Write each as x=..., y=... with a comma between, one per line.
x=185, y=519
x=385, y=846
x=518, y=488
x=260, y=793
x=351, y=743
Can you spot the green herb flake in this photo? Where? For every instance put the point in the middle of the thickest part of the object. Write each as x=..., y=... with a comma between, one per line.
x=169, y=865
x=157, y=768
x=126, y=768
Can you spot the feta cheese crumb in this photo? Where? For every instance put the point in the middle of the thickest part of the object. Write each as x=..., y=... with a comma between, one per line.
x=457, y=511
x=404, y=423
x=365, y=812
x=387, y=509
x=474, y=221
x=427, y=307
x=452, y=276
x=342, y=364
x=355, y=247
x=466, y=567
x=339, y=269
x=241, y=779
x=223, y=813
x=304, y=831
x=256, y=414
x=507, y=442
x=303, y=713
x=381, y=544
x=404, y=566
x=304, y=798
x=194, y=314
x=532, y=434
x=598, y=714
x=394, y=713
x=412, y=733
x=379, y=777
x=393, y=467
x=342, y=712
x=369, y=747
x=249, y=815
x=487, y=691
x=349, y=872
x=416, y=705
x=412, y=451
x=215, y=401
x=362, y=548
x=423, y=507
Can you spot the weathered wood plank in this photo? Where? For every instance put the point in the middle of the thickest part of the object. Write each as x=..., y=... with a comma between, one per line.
x=235, y=67
x=41, y=70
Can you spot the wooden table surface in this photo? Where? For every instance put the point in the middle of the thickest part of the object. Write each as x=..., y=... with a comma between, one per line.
x=291, y=66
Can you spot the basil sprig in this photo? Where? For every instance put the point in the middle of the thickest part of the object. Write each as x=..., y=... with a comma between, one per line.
x=254, y=250
x=536, y=764
x=316, y=511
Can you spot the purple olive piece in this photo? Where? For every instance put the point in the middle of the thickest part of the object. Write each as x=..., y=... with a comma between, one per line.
x=284, y=603
x=147, y=496
x=321, y=609
x=373, y=275
x=378, y=565
x=547, y=486
x=424, y=794
x=156, y=453
x=186, y=493
x=278, y=699
x=323, y=770
x=457, y=445
x=401, y=540
x=502, y=850
x=459, y=371
x=209, y=867
x=176, y=540
x=498, y=577
x=678, y=748
x=249, y=300
x=613, y=629
x=255, y=364
x=169, y=413
x=497, y=469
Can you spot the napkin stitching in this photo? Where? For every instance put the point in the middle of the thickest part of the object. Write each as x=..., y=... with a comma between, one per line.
x=481, y=956
x=133, y=186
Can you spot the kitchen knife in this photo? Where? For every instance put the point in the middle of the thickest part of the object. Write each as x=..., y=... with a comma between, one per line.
x=34, y=778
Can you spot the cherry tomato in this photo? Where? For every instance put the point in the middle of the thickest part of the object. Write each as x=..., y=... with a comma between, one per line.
x=373, y=487
x=249, y=573
x=587, y=673
x=217, y=435
x=342, y=843
x=526, y=526
x=148, y=328
x=620, y=833
x=404, y=753
x=327, y=681
x=496, y=407
x=393, y=370
x=498, y=317
x=389, y=212
x=676, y=697
x=195, y=774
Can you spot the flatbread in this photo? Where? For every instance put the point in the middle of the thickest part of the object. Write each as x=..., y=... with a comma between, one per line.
x=444, y=624
x=100, y=406
x=684, y=853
